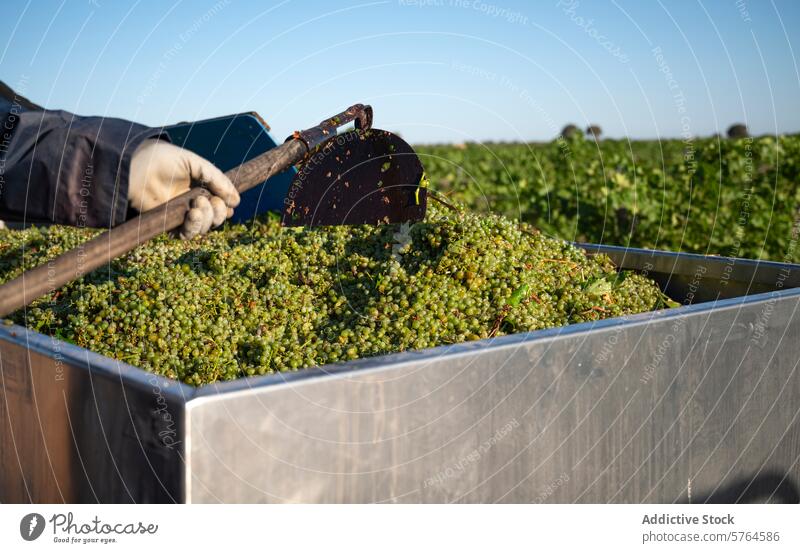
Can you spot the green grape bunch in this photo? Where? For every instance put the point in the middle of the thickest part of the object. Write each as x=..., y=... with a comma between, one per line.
x=259, y=298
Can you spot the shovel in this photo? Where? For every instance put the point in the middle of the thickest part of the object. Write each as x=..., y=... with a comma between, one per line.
x=364, y=176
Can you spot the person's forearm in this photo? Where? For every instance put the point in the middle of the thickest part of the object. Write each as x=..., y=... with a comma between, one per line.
x=62, y=168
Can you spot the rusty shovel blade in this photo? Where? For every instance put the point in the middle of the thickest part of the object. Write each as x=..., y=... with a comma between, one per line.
x=356, y=178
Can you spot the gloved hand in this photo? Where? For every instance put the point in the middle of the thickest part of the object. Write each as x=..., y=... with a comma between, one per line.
x=160, y=171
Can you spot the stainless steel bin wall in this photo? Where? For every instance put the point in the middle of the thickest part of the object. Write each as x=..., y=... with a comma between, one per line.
x=692, y=404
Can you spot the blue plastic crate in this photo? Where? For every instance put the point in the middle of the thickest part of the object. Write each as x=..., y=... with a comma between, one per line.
x=228, y=142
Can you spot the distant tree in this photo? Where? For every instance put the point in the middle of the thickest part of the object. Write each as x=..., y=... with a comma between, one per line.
x=571, y=131
x=738, y=130
x=594, y=131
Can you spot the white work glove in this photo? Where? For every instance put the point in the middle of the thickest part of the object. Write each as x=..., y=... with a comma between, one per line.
x=160, y=171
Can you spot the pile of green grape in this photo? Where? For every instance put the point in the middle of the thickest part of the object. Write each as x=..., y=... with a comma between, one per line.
x=258, y=298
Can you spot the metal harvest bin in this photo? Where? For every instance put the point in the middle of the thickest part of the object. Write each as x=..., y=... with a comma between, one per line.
x=698, y=403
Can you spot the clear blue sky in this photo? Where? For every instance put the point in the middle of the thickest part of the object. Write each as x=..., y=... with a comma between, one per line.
x=435, y=70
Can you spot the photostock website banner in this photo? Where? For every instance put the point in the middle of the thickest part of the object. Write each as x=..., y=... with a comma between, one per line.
x=400, y=528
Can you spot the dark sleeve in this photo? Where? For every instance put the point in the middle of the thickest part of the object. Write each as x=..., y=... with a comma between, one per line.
x=64, y=168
